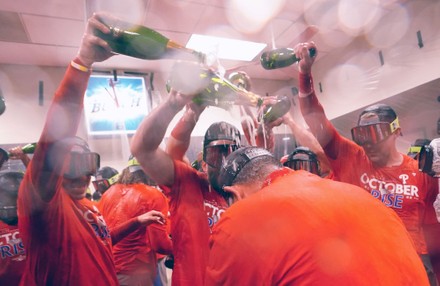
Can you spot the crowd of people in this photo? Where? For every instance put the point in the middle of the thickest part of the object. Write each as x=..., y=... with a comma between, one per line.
x=333, y=212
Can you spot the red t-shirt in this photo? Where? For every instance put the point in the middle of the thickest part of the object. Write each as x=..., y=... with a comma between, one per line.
x=134, y=253
x=67, y=241
x=12, y=254
x=194, y=209
x=305, y=230
x=403, y=188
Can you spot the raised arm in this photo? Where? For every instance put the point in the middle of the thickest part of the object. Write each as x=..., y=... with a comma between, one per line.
x=145, y=143
x=65, y=111
x=311, y=109
x=305, y=138
x=180, y=138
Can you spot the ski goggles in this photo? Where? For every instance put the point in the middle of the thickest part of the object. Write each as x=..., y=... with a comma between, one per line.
x=82, y=164
x=216, y=151
x=133, y=165
x=303, y=164
x=414, y=151
x=6, y=211
x=101, y=185
x=373, y=133
x=302, y=159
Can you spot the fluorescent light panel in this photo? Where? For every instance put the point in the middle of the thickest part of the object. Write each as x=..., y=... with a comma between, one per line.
x=225, y=48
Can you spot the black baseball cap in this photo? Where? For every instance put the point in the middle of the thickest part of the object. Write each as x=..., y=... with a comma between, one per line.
x=237, y=160
x=222, y=131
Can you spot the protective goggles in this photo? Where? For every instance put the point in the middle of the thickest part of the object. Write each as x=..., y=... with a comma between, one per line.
x=373, y=133
x=133, y=165
x=237, y=161
x=82, y=164
x=215, y=153
x=8, y=214
x=7, y=210
x=414, y=151
x=102, y=185
x=307, y=165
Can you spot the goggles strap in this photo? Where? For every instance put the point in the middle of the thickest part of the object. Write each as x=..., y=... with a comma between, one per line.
x=113, y=179
x=394, y=125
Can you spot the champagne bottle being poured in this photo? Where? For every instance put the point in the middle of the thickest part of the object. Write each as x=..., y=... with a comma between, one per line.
x=142, y=42
x=280, y=58
x=215, y=90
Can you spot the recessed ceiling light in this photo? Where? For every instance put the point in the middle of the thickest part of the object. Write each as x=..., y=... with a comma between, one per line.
x=224, y=48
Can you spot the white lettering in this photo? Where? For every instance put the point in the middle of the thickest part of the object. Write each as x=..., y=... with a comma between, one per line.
x=390, y=187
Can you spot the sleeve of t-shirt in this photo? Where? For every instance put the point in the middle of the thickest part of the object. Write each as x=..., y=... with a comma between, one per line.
x=343, y=153
x=184, y=175
x=158, y=234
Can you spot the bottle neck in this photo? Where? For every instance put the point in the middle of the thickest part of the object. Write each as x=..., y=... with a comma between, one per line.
x=184, y=53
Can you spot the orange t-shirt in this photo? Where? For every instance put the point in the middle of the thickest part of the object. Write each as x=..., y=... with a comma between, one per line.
x=67, y=241
x=402, y=188
x=134, y=254
x=304, y=230
x=12, y=255
x=194, y=208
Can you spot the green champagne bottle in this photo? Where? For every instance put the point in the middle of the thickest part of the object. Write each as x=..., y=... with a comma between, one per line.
x=215, y=90
x=141, y=42
x=29, y=148
x=280, y=58
x=275, y=111
x=211, y=88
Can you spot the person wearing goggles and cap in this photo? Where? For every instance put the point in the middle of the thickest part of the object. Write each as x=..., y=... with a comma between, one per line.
x=13, y=254
x=104, y=178
x=372, y=160
x=302, y=158
x=133, y=195
x=288, y=227
x=66, y=238
x=196, y=201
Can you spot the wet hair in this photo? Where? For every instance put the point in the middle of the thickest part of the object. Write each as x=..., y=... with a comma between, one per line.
x=247, y=164
x=127, y=177
x=260, y=167
x=383, y=111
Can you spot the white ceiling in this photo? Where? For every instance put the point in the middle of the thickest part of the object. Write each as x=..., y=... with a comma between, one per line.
x=48, y=32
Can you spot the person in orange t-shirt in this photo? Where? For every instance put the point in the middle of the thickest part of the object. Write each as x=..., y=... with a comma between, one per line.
x=12, y=252
x=135, y=255
x=291, y=227
x=66, y=238
x=196, y=203
x=372, y=161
